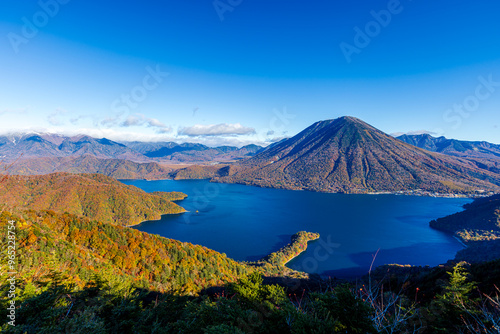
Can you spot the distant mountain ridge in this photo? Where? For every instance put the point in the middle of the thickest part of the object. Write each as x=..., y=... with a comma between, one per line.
x=349, y=155
x=341, y=155
x=34, y=145
x=485, y=155
x=459, y=148
x=192, y=152
x=43, y=145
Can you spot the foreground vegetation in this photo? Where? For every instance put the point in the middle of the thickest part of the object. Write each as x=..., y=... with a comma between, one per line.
x=76, y=275
x=445, y=301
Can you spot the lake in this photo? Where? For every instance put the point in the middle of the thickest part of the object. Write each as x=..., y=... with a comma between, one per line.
x=248, y=223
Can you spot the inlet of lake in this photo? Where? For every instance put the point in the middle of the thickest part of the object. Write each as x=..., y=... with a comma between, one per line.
x=248, y=223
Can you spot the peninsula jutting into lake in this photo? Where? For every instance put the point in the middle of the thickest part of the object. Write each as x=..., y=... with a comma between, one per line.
x=252, y=222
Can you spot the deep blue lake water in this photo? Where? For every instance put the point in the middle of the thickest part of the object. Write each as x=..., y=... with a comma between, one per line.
x=248, y=223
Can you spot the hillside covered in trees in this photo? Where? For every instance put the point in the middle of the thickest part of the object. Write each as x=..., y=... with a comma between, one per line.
x=92, y=195
x=298, y=245
x=81, y=248
x=116, y=168
x=478, y=227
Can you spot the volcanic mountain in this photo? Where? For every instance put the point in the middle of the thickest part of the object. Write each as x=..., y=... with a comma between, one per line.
x=349, y=155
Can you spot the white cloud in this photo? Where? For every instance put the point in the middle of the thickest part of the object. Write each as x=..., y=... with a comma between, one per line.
x=78, y=119
x=216, y=130
x=153, y=122
x=164, y=130
x=113, y=134
x=111, y=121
x=162, y=135
x=416, y=132
x=131, y=121
x=141, y=120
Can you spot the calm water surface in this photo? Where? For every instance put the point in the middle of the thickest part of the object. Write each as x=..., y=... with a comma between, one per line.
x=248, y=222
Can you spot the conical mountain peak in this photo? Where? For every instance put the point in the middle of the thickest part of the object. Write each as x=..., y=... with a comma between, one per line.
x=348, y=155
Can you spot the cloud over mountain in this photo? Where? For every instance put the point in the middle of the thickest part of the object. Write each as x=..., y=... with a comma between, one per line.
x=142, y=120
x=216, y=130
x=413, y=133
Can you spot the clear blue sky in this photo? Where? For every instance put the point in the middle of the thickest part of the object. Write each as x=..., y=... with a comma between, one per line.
x=242, y=71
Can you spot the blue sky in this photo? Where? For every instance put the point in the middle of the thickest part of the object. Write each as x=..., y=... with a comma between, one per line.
x=241, y=71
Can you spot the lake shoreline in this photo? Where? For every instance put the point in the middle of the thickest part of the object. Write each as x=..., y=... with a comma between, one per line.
x=289, y=252
x=296, y=256
x=241, y=221
x=163, y=214
x=418, y=192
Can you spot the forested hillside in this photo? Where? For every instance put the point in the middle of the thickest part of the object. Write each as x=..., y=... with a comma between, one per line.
x=116, y=168
x=75, y=274
x=478, y=226
x=92, y=195
x=81, y=248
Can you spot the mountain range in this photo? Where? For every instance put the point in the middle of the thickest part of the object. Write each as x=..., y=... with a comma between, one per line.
x=485, y=155
x=339, y=155
x=79, y=271
x=34, y=145
x=43, y=145
x=349, y=155
x=459, y=148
